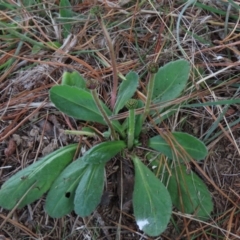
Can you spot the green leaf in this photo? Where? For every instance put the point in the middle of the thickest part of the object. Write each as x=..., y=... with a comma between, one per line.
x=54, y=44
x=76, y=103
x=103, y=152
x=28, y=3
x=5, y=6
x=193, y=146
x=151, y=201
x=218, y=11
x=126, y=90
x=79, y=104
x=214, y=103
x=165, y=114
x=60, y=199
x=90, y=190
x=36, y=48
x=170, y=81
x=40, y=174
x=23, y=37
x=73, y=79
x=66, y=12
x=189, y=193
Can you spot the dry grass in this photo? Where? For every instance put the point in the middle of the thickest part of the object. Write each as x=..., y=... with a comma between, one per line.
x=206, y=34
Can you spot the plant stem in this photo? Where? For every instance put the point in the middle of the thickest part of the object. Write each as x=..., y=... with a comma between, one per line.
x=113, y=60
x=152, y=69
x=131, y=128
x=76, y=132
x=131, y=104
x=149, y=96
x=104, y=114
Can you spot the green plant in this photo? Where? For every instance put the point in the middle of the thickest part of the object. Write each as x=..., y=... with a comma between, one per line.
x=79, y=185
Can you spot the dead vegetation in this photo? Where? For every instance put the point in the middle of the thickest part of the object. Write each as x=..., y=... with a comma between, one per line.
x=205, y=33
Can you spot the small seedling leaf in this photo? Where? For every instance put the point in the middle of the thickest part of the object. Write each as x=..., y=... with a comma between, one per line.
x=126, y=90
x=170, y=81
x=73, y=79
x=189, y=193
x=66, y=12
x=181, y=146
x=103, y=152
x=151, y=201
x=90, y=189
x=60, y=199
x=40, y=175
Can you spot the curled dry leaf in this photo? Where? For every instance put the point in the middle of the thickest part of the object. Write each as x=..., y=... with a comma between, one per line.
x=54, y=120
x=34, y=132
x=11, y=148
x=17, y=139
x=49, y=148
x=47, y=127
